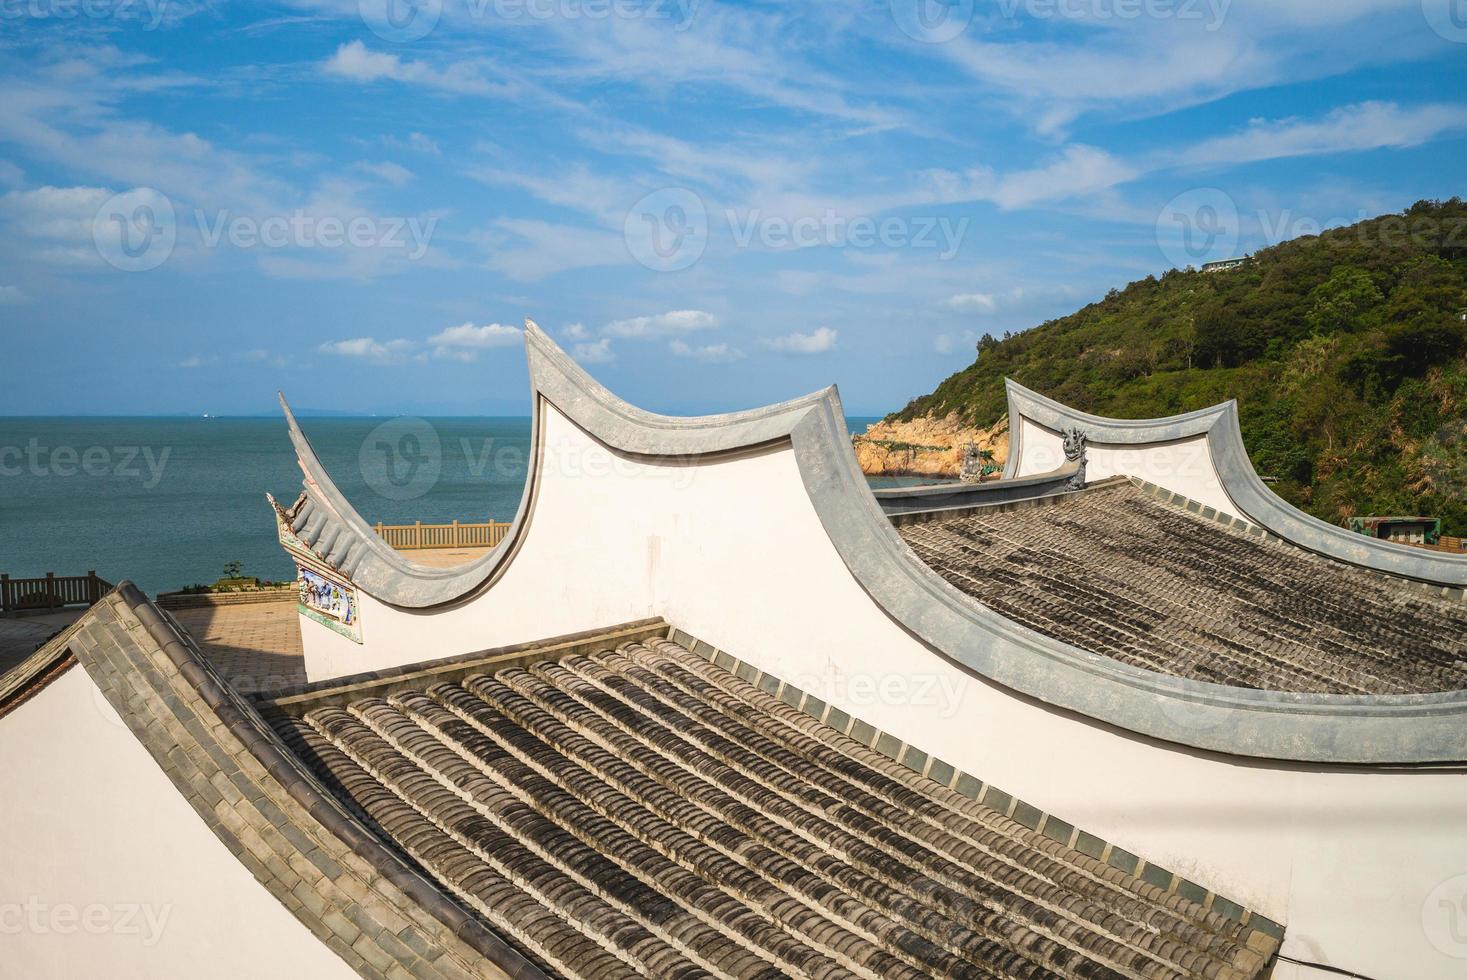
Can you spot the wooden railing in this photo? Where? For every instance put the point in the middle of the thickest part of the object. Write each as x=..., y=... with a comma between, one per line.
x=51, y=591
x=406, y=537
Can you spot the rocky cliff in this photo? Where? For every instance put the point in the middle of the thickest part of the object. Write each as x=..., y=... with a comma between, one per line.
x=927, y=446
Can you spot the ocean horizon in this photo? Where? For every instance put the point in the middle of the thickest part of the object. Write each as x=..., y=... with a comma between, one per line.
x=168, y=501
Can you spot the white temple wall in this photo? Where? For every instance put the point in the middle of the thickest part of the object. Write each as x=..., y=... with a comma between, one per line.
x=106, y=871
x=1183, y=466
x=595, y=554
x=733, y=552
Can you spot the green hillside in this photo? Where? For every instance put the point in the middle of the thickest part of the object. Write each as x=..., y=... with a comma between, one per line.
x=1347, y=353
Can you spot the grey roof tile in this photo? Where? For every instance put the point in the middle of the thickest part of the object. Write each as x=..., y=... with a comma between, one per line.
x=637, y=812
x=645, y=812
x=1116, y=572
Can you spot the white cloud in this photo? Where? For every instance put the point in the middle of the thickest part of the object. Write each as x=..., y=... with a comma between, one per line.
x=414, y=141
x=662, y=325
x=707, y=162
x=1143, y=67
x=257, y=356
x=62, y=213
x=1364, y=126
x=529, y=249
x=370, y=349
x=973, y=303
x=759, y=52
x=1086, y=173
x=577, y=331
x=1077, y=171
x=577, y=187
x=65, y=114
x=356, y=62
x=464, y=341
x=712, y=353
x=57, y=221
x=594, y=352
x=11, y=296
x=393, y=173
x=1311, y=13
x=459, y=343
x=817, y=342
x=1146, y=70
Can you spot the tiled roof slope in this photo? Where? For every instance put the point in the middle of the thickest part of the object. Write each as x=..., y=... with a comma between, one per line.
x=337, y=877
x=642, y=812
x=1117, y=572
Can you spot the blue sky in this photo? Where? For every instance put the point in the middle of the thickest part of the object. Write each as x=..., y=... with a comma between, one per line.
x=714, y=205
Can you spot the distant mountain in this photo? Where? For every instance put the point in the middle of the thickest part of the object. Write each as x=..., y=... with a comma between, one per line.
x=1347, y=353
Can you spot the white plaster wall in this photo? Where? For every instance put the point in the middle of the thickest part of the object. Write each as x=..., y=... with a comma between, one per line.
x=733, y=552
x=1183, y=466
x=106, y=871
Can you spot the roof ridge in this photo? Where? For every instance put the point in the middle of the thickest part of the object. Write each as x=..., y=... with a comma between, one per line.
x=900, y=519
x=389, y=680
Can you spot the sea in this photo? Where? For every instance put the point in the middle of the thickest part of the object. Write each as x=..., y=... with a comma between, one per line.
x=170, y=502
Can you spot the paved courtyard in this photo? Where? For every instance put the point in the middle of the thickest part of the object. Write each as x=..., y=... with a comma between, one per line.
x=444, y=557
x=256, y=646
x=19, y=637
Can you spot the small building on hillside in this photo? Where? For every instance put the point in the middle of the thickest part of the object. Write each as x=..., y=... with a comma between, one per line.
x=1224, y=265
x=1408, y=530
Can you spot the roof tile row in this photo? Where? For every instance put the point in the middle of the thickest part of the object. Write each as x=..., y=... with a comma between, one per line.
x=644, y=812
x=1116, y=572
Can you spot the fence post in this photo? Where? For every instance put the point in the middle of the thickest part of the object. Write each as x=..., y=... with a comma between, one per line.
x=4, y=592
x=455, y=534
x=417, y=534
x=52, y=599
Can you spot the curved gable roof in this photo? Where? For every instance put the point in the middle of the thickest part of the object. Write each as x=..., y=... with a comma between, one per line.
x=1241, y=483
x=1406, y=728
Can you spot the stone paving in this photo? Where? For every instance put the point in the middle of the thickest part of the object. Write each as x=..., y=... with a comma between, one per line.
x=19, y=637
x=256, y=646
x=444, y=557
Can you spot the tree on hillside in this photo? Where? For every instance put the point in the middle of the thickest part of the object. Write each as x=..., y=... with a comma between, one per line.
x=1345, y=350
